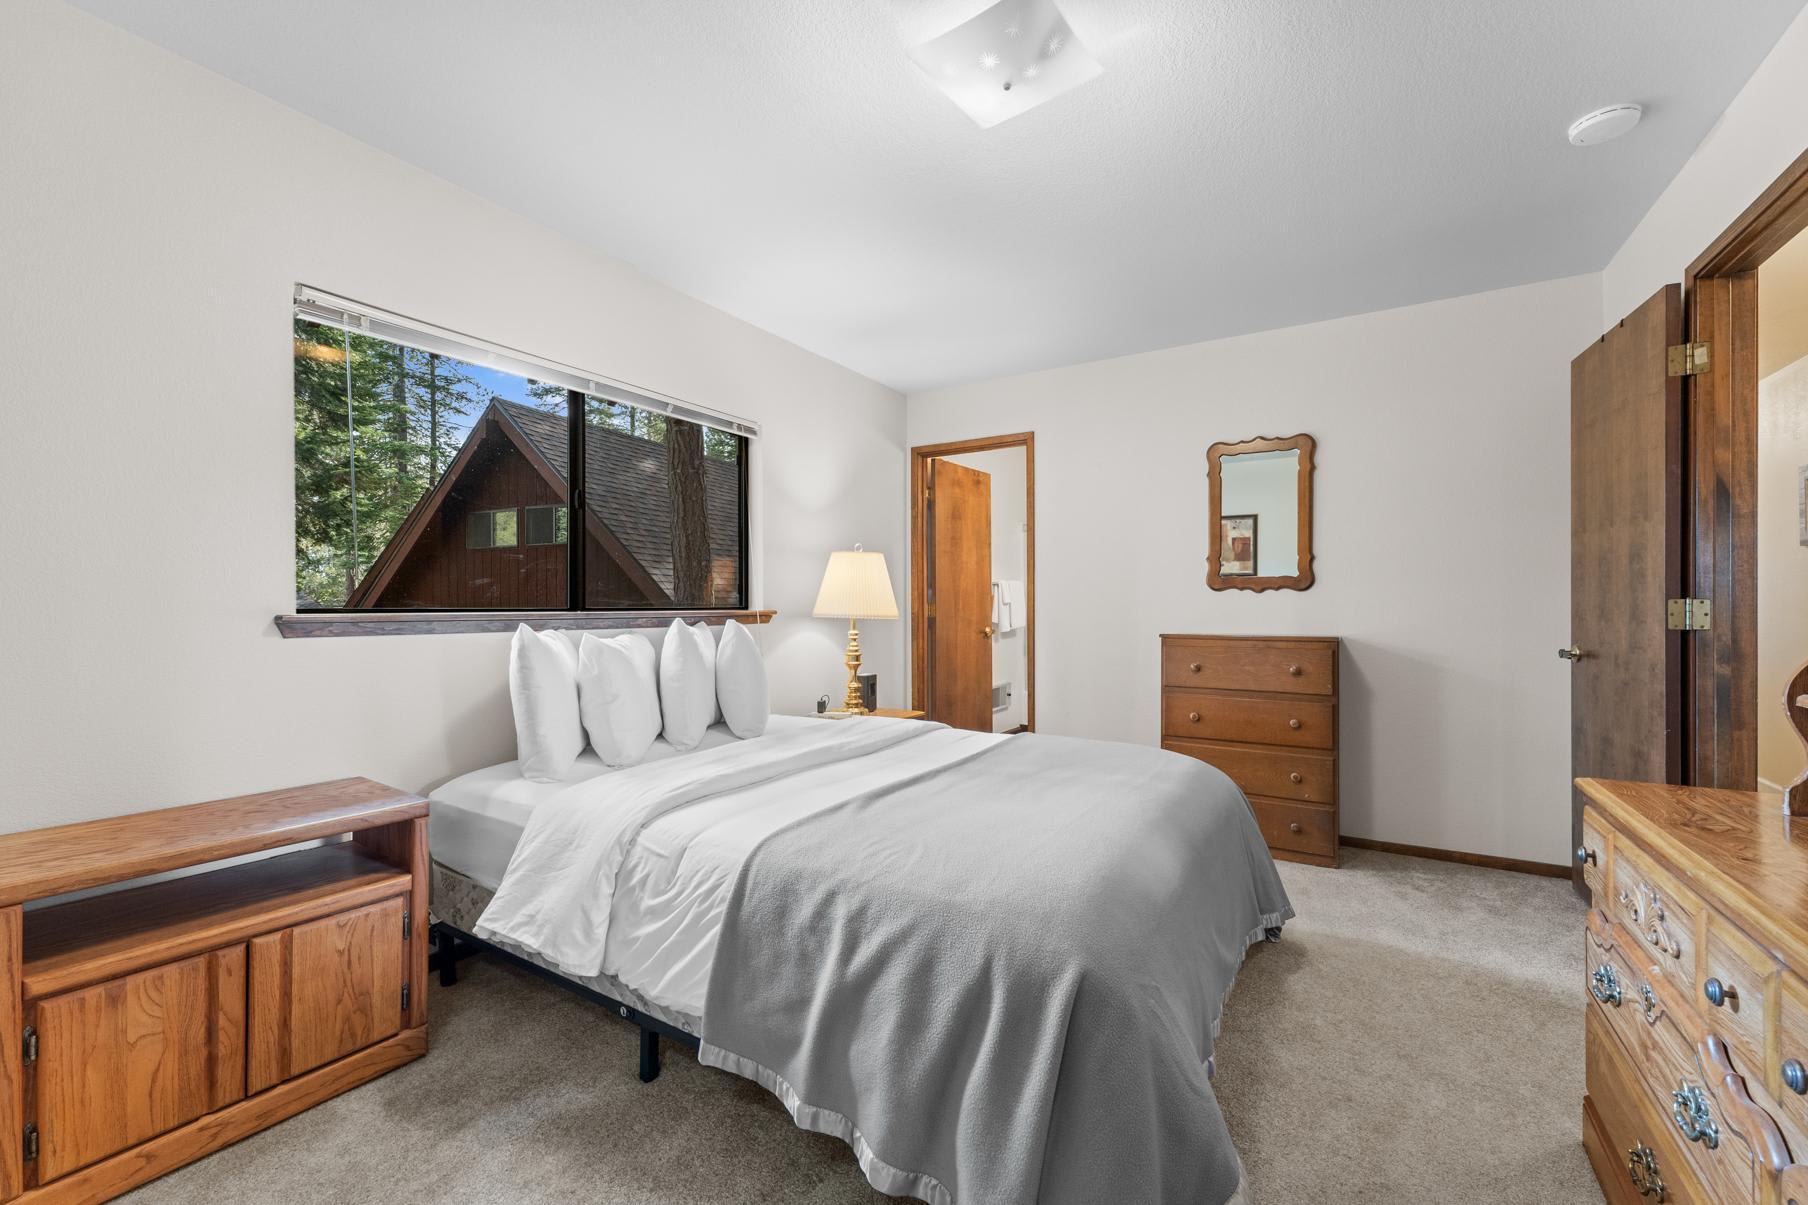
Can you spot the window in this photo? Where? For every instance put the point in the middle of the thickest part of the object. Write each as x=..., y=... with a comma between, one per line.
x=546, y=525
x=436, y=473
x=492, y=529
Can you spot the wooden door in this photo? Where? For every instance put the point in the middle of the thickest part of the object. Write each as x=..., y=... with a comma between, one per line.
x=960, y=596
x=1626, y=553
x=322, y=990
x=131, y=1058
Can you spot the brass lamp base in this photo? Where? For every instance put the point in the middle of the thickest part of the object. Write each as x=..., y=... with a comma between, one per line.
x=855, y=703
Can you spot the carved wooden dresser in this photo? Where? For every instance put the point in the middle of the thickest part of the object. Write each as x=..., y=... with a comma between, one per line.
x=1264, y=710
x=1697, y=976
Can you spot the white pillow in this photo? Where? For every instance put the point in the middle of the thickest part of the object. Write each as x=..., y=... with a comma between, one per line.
x=543, y=686
x=618, y=696
x=741, y=682
x=687, y=684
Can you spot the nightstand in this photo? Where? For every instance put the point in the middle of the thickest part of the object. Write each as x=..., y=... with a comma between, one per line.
x=890, y=713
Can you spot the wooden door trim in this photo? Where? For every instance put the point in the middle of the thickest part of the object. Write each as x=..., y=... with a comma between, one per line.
x=1720, y=308
x=920, y=457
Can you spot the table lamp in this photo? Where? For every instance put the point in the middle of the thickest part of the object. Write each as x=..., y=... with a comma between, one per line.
x=855, y=586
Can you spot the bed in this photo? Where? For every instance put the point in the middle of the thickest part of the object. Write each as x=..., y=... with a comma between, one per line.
x=993, y=965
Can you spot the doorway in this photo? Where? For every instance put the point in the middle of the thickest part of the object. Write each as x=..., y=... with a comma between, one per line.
x=973, y=582
x=1745, y=454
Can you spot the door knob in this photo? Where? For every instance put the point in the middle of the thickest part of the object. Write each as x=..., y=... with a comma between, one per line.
x=986, y=631
x=1572, y=653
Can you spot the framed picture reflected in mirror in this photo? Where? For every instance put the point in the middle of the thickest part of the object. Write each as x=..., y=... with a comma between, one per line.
x=1237, y=537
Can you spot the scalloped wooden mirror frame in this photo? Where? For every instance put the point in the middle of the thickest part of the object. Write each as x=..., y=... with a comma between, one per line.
x=1214, y=457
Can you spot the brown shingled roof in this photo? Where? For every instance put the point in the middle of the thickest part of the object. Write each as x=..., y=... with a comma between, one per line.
x=625, y=485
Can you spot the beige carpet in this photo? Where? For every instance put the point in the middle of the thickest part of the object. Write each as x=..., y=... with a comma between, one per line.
x=1415, y=1037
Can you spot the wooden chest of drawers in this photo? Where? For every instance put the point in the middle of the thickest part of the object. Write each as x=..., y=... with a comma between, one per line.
x=1264, y=710
x=1697, y=980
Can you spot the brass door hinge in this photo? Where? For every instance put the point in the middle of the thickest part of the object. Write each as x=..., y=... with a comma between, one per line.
x=1688, y=359
x=31, y=1045
x=1690, y=614
x=31, y=1144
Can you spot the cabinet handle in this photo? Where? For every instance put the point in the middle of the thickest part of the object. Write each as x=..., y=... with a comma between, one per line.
x=1641, y=1169
x=1296, y=776
x=1194, y=667
x=1293, y=670
x=1294, y=724
x=1689, y=1109
x=1719, y=993
x=1193, y=716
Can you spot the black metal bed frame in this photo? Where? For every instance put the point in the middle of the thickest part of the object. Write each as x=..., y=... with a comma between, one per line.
x=451, y=944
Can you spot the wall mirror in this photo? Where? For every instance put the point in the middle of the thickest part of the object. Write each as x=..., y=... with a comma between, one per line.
x=1261, y=520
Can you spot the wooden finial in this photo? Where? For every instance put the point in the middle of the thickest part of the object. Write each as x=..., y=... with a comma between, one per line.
x=1795, y=705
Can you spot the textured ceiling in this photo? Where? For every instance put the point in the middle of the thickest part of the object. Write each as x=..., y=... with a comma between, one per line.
x=1241, y=164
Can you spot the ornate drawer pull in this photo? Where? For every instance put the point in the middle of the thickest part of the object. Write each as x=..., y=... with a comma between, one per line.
x=1660, y=937
x=1648, y=1002
x=1641, y=1167
x=1795, y=1076
x=1719, y=993
x=1604, y=985
x=1689, y=1108
x=1585, y=855
x=1296, y=776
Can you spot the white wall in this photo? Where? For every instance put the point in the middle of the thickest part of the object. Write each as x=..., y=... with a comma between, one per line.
x=1782, y=567
x=153, y=221
x=1441, y=533
x=1760, y=134
x=1010, y=560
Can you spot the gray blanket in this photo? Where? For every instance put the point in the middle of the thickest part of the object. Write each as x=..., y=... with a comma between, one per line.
x=1000, y=982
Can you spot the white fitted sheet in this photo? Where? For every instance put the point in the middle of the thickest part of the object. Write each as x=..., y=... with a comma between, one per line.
x=674, y=886
x=477, y=818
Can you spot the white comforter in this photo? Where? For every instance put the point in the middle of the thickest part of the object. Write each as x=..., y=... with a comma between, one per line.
x=629, y=874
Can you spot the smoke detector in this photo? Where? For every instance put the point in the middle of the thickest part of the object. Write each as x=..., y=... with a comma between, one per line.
x=1604, y=125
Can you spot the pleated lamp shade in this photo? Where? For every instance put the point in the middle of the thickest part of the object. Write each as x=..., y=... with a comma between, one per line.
x=856, y=586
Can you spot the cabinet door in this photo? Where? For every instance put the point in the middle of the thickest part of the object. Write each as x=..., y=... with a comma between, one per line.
x=126, y=1060
x=321, y=990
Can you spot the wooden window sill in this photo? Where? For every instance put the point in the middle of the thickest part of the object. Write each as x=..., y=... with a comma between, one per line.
x=442, y=623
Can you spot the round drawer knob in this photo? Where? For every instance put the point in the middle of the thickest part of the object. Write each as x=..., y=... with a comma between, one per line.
x=1719, y=993
x=1296, y=776
x=1294, y=670
x=1795, y=1077
x=1195, y=667
x=1295, y=827
x=1584, y=855
x=1294, y=724
x=1193, y=716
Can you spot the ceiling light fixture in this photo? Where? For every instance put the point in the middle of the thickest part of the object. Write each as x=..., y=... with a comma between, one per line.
x=1007, y=60
x=1604, y=125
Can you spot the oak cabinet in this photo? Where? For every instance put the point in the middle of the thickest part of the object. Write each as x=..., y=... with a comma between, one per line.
x=134, y=1057
x=153, y=1025
x=322, y=990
